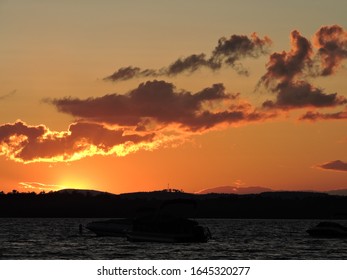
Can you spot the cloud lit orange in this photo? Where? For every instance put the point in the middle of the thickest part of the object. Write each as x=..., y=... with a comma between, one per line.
x=24, y=143
x=118, y=125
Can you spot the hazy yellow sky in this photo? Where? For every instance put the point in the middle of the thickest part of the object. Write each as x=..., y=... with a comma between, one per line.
x=126, y=96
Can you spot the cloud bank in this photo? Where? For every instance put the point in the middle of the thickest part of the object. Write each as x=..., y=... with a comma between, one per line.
x=156, y=113
x=156, y=104
x=149, y=116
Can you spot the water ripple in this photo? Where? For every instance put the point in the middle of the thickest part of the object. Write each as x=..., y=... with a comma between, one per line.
x=232, y=239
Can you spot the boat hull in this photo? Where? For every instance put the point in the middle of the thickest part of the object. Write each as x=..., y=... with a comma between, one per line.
x=328, y=230
x=116, y=227
x=199, y=235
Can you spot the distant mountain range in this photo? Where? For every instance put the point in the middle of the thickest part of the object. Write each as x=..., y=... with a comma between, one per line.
x=216, y=190
x=84, y=192
x=258, y=189
x=235, y=190
x=174, y=193
x=338, y=192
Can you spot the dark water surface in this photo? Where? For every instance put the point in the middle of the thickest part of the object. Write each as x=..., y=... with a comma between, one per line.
x=232, y=239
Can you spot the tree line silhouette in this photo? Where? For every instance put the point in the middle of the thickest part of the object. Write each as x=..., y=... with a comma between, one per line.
x=268, y=205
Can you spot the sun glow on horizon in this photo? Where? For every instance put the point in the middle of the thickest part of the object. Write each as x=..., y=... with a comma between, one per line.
x=73, y=182
x=77, y=184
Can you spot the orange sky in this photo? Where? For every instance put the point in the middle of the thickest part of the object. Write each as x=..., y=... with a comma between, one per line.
x=124, y=97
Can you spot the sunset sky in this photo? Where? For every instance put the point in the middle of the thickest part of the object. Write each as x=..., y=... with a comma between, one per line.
x=125, y=96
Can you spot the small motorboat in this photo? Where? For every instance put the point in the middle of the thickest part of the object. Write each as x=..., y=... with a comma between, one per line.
x=328, y=230
x=112, y=227
x=168, y=230
x=169, y=224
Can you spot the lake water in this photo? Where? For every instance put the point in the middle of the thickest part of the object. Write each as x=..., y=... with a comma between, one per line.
x=59, y=238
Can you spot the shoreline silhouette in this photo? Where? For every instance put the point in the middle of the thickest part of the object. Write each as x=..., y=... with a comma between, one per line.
x=94, y=204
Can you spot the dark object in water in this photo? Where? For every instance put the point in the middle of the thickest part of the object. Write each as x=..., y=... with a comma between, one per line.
x=112, y=227
x=169, y=224
x=166, y=224
x=328, y=230
x=168, y=229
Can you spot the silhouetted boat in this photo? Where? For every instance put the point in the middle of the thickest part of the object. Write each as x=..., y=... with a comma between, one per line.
x=168, y=230
x=165, y=226
x=112, y=227
x=328, y=230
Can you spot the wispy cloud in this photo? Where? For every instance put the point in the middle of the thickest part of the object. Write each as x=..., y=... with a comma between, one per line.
x=228, y=52
x=336, y=165
x=316, y=116
x=36, y=186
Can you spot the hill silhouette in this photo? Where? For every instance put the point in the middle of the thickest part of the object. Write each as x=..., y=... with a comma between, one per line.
x=338, y=192
x=83, y=192
x=235, y=190
x=267, y=205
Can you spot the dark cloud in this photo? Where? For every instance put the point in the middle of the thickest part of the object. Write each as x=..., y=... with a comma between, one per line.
x=25, y=143
x=127, y=73
x=302, y=94
x=229, y=51
x=331, y=42
x=283, y=67
x=188, y=64
x=20, y=128
x=287, y=72
x=316, y=116
x=159, y=103
x=208, y=120
x=336, y=165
